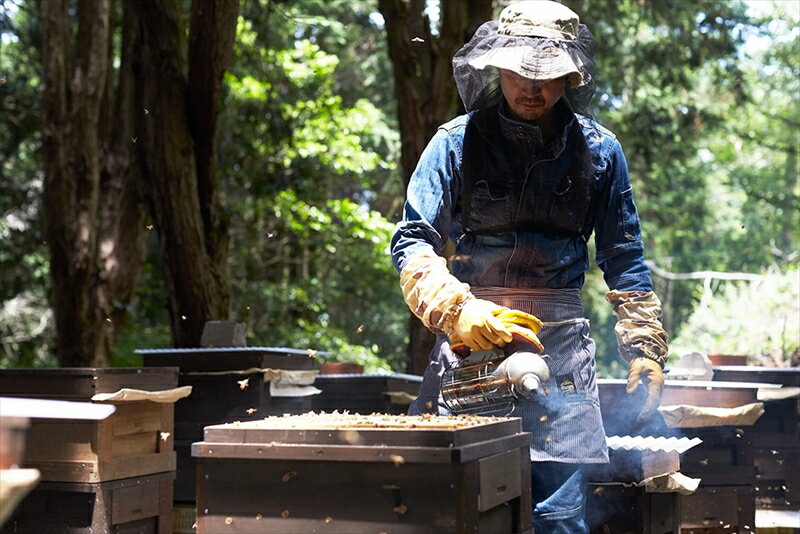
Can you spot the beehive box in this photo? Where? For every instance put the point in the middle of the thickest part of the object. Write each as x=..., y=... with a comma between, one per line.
x=718, y=510
x=365, y=393
x=141, y=505
x=631, y=510
x=694, y=392
x=227, y=385
x=786, y=376
x=776, y=437
x=725, y=500
x=354, y=473
x=136, y=440
x=724, y=461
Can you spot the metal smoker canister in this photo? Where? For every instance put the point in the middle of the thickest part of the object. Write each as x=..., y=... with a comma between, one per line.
x=493, y=386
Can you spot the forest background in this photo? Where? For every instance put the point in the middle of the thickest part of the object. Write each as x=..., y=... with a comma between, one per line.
x=168, y=162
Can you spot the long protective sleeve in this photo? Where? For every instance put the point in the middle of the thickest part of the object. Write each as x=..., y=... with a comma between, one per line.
x=433, y=294
x=639, y=330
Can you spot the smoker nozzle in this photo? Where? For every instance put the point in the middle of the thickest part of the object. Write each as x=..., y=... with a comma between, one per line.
x=526, y=371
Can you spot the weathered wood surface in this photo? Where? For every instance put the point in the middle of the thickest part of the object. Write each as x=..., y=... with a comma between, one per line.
x=300, y=496
x=142, y=505
x=82, y=383
x=137, y=439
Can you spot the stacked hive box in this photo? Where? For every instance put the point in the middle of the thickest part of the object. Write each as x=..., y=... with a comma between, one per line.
x=351, y=473
x=724, y=502
x=776, y=435
x=227, y=385
x=114, y=474
x=618, y=509
x=365, y=394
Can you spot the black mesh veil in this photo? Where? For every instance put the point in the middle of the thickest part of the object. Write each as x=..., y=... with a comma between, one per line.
x=481, y=87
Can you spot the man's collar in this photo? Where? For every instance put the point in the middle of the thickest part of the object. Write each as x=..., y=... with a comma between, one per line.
x=531, y=134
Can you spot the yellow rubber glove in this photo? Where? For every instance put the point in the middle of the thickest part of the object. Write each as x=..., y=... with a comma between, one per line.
x=523, y=325
x=446, y=305
x=650, y=374
x=479, y=326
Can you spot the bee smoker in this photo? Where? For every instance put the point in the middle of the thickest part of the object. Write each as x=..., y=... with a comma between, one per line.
x=491, y=382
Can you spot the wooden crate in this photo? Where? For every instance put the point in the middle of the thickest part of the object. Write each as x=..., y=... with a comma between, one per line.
x=141, y=505
x=256, y=477
x=218, y=393
x=776, y=437
x=694, y=392
x=786, y=376
x=364, y=394
x=777, y=455
x=136, y=440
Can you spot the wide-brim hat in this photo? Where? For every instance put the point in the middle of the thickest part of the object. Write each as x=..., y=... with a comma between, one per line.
x=538, y=64
x=537, y=45
x=537, y=39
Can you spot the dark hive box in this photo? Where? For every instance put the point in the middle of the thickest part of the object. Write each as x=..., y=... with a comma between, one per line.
x=365, y=393
x=776, y=435
x=141, y=505
x=351, y=473
x=217, y=376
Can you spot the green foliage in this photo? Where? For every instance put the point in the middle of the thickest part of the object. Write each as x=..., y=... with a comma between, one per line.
x=716, y=188
x=25, y=320
x=760, y=319
x=324, y=281
x=307, y=151
x=309, y=156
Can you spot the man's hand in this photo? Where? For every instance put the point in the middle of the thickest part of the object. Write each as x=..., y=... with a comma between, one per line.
x=478, y=327
x=523, y=325
x=650, y=374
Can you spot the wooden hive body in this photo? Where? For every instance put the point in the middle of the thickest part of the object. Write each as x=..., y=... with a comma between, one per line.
x=343, y=475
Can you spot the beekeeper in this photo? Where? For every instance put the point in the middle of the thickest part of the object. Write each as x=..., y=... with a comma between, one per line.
x=519, y=184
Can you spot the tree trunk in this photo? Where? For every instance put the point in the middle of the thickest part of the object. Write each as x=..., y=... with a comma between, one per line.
x=123, y=212
x=426, y=94
x=178, y=153
x=111, y=141
x=74, y=88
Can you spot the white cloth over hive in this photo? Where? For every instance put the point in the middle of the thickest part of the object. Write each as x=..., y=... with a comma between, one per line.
x=130, y=394
x=688, y=416
x=692, y=366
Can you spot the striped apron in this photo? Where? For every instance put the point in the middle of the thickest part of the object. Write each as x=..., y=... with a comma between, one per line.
x=564, y=415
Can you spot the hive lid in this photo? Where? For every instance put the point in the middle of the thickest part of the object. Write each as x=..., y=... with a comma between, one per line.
x=374, y=437
x=53, y=409
x=217, y=359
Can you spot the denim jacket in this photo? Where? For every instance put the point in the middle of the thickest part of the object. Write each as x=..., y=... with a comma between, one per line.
x=525, y=257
